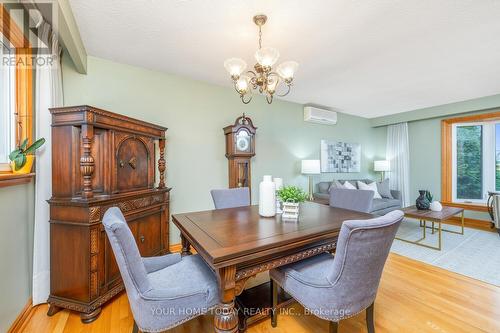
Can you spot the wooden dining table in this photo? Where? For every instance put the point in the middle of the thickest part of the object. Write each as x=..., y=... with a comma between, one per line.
x=237, y=243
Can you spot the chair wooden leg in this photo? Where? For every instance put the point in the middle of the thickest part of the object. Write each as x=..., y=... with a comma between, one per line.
x=370, y=325
x=334, y=326
x=274, y=310
x=135, y=329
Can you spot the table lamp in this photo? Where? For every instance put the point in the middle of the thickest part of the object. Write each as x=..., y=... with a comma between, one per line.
x=310, y=168
x=382, y=167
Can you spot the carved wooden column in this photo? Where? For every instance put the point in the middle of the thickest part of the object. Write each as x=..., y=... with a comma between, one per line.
x=87, y=161
x=186, y=246
x=161, y=163
x=226, y=317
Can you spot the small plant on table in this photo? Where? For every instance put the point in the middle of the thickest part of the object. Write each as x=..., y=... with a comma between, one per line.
x=291, y=196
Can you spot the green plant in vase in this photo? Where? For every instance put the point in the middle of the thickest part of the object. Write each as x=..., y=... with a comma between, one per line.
x=292, y=194
x=22, y=157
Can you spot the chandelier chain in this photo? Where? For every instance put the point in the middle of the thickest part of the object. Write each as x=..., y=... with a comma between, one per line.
x=260, y=37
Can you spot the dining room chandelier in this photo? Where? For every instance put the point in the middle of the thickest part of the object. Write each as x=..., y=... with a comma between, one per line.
x=263, y=78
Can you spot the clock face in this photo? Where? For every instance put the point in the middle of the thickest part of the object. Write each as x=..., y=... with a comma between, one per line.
x=242, y=141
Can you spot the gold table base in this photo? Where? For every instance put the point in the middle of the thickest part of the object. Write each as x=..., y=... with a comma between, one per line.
x=439, y=229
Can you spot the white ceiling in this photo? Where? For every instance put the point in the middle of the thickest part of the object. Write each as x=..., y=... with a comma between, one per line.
x=364, y=57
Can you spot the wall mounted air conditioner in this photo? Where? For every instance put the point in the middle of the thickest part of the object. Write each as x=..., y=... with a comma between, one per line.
x=319, y=116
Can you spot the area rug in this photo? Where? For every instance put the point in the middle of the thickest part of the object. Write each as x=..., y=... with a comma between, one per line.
x=475, y=254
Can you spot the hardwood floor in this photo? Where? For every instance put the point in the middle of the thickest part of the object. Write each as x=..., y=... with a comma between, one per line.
x=413, y=297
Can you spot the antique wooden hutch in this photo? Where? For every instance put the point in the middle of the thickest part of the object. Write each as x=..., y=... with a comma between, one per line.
x=101, y=159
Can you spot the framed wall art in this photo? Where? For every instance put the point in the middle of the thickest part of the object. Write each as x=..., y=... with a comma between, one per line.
x=337, y=156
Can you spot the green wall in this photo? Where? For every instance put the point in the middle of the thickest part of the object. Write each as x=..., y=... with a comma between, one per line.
x=16, y=247
x=445, y=110
x=195, y=113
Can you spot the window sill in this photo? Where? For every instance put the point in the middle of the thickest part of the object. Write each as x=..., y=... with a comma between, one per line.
x=10, y=179
x=467, y=206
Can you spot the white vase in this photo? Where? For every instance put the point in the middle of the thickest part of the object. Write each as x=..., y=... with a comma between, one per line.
x=278, y=182
x=267, y=197
x=436, y=206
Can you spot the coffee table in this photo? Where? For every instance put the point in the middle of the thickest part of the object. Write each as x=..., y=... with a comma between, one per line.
x=425, y=216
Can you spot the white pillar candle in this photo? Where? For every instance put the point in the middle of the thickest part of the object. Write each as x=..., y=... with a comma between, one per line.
x=279, y=183
x=267, y=197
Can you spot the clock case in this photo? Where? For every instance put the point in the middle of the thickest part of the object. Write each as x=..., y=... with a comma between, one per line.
x=239, y=161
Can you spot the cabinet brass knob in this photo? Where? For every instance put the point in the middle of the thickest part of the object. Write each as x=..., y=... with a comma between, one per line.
x=142, y=239
x=121, y=164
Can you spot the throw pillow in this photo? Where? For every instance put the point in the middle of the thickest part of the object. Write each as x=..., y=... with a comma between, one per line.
x=349, y=186
x=370, y=187
x=335, y=184
x=384, y=190
x=324, y=187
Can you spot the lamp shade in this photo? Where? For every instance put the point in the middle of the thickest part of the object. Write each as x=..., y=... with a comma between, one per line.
x=381, y=166
x=267, y=56
x=235, y=66
x=287, y=69
x=311, y=167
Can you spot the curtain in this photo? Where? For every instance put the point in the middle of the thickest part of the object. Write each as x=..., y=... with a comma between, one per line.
x=7, y=104
x=398, y=155
x=48, y=94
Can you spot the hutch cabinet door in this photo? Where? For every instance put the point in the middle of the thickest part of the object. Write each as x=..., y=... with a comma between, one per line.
x=149, y=235
x=134, y=163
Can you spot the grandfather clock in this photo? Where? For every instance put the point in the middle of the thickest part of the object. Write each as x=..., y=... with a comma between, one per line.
x=240, y=148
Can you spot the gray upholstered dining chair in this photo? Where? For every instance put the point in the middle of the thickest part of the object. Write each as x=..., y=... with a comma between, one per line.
x=358, y=200
x=163, y=291
x=231, y=197
x=341, y=286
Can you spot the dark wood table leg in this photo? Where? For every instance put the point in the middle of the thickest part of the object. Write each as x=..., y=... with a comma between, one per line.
x=226, y=317
x=186, y=246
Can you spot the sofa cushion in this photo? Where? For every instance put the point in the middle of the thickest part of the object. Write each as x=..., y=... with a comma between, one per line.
x=344, y=182
x=370, y=187
x=324, y=196
x=383, y=203
x=323, y=187
x=335, y=184
x=348, y=185
x=384, y=190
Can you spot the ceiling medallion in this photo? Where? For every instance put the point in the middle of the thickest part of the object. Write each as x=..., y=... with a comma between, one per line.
x=264, y=78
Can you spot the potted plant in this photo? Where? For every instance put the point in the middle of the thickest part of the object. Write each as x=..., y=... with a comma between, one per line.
x=22, y=157
x=291, y=196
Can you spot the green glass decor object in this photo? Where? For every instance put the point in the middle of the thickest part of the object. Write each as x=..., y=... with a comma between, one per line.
x=423, y=202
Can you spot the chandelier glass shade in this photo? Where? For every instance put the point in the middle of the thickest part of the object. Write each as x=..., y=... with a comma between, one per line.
x=263, y=78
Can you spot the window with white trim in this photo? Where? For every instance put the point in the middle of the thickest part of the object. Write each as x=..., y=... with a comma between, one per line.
x=475, y=161
x=7, y=106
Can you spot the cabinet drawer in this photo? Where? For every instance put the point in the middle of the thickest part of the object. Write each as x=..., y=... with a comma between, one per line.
x=149, y=234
